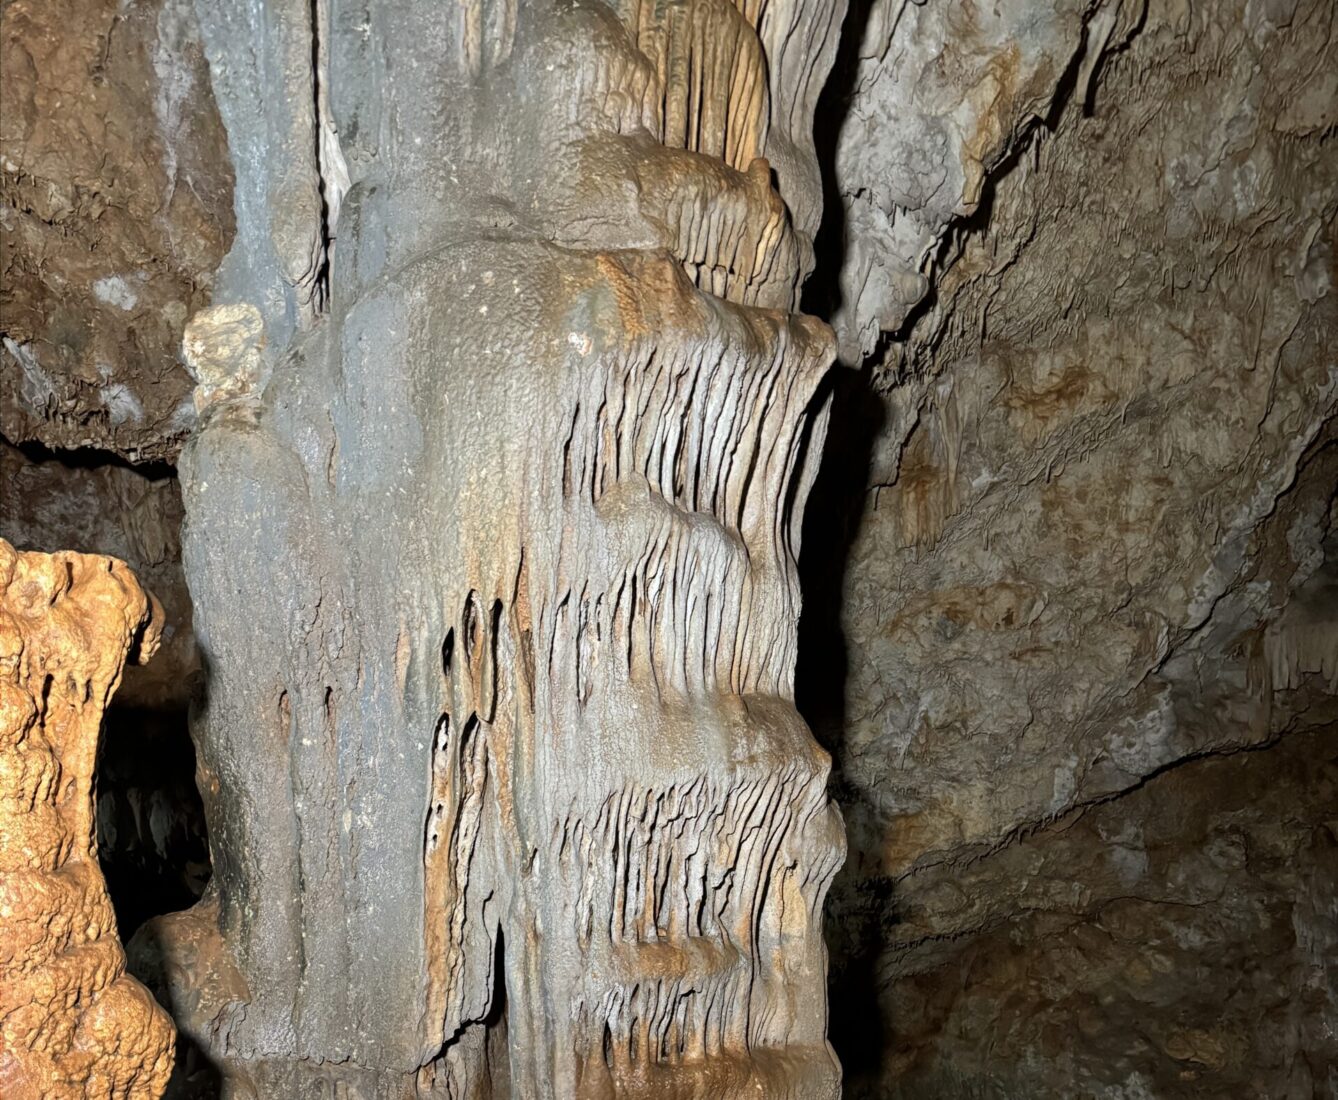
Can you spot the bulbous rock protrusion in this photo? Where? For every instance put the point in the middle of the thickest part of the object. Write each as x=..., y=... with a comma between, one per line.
x=221, y=349
x=73, y=1024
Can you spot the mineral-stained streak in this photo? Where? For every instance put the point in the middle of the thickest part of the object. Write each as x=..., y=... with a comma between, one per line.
x=495, y=577
x=73, y=1024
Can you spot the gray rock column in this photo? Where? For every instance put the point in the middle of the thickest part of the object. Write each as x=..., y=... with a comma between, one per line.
x=493, y=564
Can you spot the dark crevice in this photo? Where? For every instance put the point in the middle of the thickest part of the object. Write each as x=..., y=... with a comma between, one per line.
x=321, y=288
x=831, y=521
x=89, y=458
x=952, y=240
x=821, y=295
x=153, y=843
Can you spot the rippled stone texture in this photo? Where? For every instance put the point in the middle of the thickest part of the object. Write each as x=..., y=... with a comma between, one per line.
x=73, y=1024
x=494, y=569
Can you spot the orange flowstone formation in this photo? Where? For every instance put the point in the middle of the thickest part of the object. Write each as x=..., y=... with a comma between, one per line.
x=72, y=1022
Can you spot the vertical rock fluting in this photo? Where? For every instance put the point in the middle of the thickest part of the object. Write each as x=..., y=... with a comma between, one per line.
x=72, y=1023
x=495, y=577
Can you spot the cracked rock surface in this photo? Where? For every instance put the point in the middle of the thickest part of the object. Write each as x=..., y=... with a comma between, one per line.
x=1090, y=552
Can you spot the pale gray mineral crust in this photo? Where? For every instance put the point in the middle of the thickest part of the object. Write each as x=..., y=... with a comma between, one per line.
x=495, y=578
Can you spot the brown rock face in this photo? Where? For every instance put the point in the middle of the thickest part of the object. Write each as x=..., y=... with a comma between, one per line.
x=151, y=843
x=55, y=500
x=115, y=212
x=500, y=451
x=1178, y=939
x=1093, y=555
x=72, y=1023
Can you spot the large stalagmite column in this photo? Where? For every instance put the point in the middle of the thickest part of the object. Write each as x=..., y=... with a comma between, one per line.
x=495, y=575
x=72, y=1023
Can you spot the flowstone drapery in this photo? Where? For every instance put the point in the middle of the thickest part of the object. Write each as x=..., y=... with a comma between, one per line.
x=495, y=578
x=73, y=1024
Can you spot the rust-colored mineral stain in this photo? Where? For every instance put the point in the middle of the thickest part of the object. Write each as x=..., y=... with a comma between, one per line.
x=72, y=1022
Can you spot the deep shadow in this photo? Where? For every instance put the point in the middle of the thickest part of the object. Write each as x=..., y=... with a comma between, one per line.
x=832, y=519
x=147, y=893
x=835, y=509
x=195, y=1075
x=831, y=522
x=862, y=909
x=152, y=842
x=836, y=504
x=90, y=458
x=822, y=291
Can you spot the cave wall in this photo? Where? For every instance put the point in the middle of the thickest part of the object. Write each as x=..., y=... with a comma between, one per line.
x=116, y=205
x=116, y=211
x=1086, y=614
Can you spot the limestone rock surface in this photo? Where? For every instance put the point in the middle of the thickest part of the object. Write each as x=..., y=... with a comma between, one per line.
x=493, y=562
x=151, y=841
x=73, y=1024
x=116, y=208
x=1091, y=539
x=504, y=434
x=84, y=503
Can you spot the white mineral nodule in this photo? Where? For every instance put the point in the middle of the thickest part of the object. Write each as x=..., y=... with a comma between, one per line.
x=221, y=348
